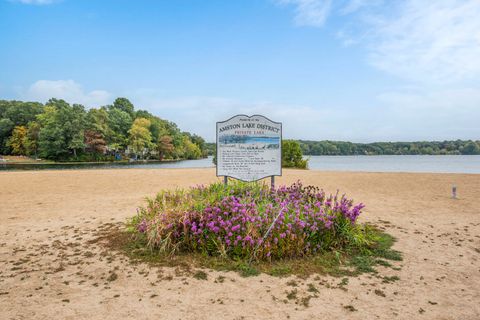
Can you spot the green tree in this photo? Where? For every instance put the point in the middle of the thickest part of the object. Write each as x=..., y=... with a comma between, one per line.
x=61, y=126
x=292, y=156
x=97, y=120
x=77, y=142
x=119, y=122
x=191, y=150
x=33, y=135
x=15, y=113
x=21, y=113
x=140, y=136
x=51, y=140
x=470, y=148
x=6, y=127
x=200, y=142
x=125, y=105
x=77, y=128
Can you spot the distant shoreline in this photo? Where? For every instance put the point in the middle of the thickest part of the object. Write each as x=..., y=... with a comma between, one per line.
x=21, y=160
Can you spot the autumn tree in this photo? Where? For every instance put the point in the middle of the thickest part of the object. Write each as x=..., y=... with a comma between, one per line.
x=18, y=141
x=140, y=136
x=165, y=146
x=94, y=142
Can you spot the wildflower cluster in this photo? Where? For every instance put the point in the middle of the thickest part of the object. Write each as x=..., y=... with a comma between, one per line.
x=248, y=220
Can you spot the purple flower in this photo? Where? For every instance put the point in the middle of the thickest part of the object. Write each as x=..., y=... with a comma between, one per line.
x=142, y=226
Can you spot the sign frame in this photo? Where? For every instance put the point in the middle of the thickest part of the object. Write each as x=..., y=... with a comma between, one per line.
x=217, y=149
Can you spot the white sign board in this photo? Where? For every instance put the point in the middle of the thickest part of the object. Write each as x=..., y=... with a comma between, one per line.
x=249, y=148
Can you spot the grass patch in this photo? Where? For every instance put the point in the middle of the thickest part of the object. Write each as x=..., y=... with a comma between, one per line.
x=339, y=264
x=252, y=229
x=311, y=288
x=292, y=294
x=200, y=275
x=292, y=283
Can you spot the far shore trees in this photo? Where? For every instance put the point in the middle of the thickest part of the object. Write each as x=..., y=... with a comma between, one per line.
x=344, y=148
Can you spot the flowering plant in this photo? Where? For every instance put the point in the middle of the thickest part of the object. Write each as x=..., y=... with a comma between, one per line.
x=249, y=220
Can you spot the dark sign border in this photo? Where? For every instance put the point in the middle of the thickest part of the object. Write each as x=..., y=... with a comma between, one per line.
x=244, y=115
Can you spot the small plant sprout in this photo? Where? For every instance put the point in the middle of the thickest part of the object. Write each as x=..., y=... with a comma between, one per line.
x=454, y=192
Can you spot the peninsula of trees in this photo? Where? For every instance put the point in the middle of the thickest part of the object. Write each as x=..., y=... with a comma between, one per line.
x=334, y=148
x=343, y=148
x=63, y=132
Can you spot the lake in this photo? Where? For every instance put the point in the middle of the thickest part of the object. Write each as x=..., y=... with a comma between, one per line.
x=410, y=163
x=440, y=164
x=201, y=163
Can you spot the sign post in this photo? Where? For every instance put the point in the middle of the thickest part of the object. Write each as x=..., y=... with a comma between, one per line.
x=249, y=148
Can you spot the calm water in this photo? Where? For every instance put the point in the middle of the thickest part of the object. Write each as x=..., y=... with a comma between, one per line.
x=201, y=163
x=444, y=164
x=447, y=164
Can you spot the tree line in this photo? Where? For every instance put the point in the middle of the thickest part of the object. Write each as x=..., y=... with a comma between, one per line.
x=326, y=148
x=335, y=148
x=59, y=131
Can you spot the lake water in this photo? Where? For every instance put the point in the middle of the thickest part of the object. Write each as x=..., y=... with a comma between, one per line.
x=201, y=163
x=442, y=164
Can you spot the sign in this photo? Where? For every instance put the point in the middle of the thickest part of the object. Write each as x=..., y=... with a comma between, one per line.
x=249, y=148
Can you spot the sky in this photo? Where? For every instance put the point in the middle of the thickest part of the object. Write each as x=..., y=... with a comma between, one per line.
x=354, y=70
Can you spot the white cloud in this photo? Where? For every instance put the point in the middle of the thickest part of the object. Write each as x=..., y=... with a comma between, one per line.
x=355, y=5
x=432, y=114
x=35, y=2
x=429, y=41
x=309, y=12
x=199, y=114
x=68, y=90
x=412, y=113
x=402, y=115
x=418, y=40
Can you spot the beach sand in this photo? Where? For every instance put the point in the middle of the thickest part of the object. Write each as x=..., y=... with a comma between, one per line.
x=49, y=270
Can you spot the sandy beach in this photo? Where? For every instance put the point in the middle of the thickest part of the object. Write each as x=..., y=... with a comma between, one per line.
x=49, y=270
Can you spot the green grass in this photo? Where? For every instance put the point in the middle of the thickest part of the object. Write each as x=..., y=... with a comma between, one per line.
x=200, y=275
x=350, y=262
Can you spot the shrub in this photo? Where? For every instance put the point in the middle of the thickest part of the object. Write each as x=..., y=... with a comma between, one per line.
x=248, y=220
x=292, y=155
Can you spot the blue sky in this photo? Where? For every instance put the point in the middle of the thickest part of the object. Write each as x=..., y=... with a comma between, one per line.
x=358, y=70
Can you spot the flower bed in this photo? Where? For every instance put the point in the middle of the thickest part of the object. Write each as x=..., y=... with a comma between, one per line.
x=250, y=221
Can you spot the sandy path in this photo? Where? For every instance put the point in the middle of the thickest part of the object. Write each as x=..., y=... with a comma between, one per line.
x=48, y=269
